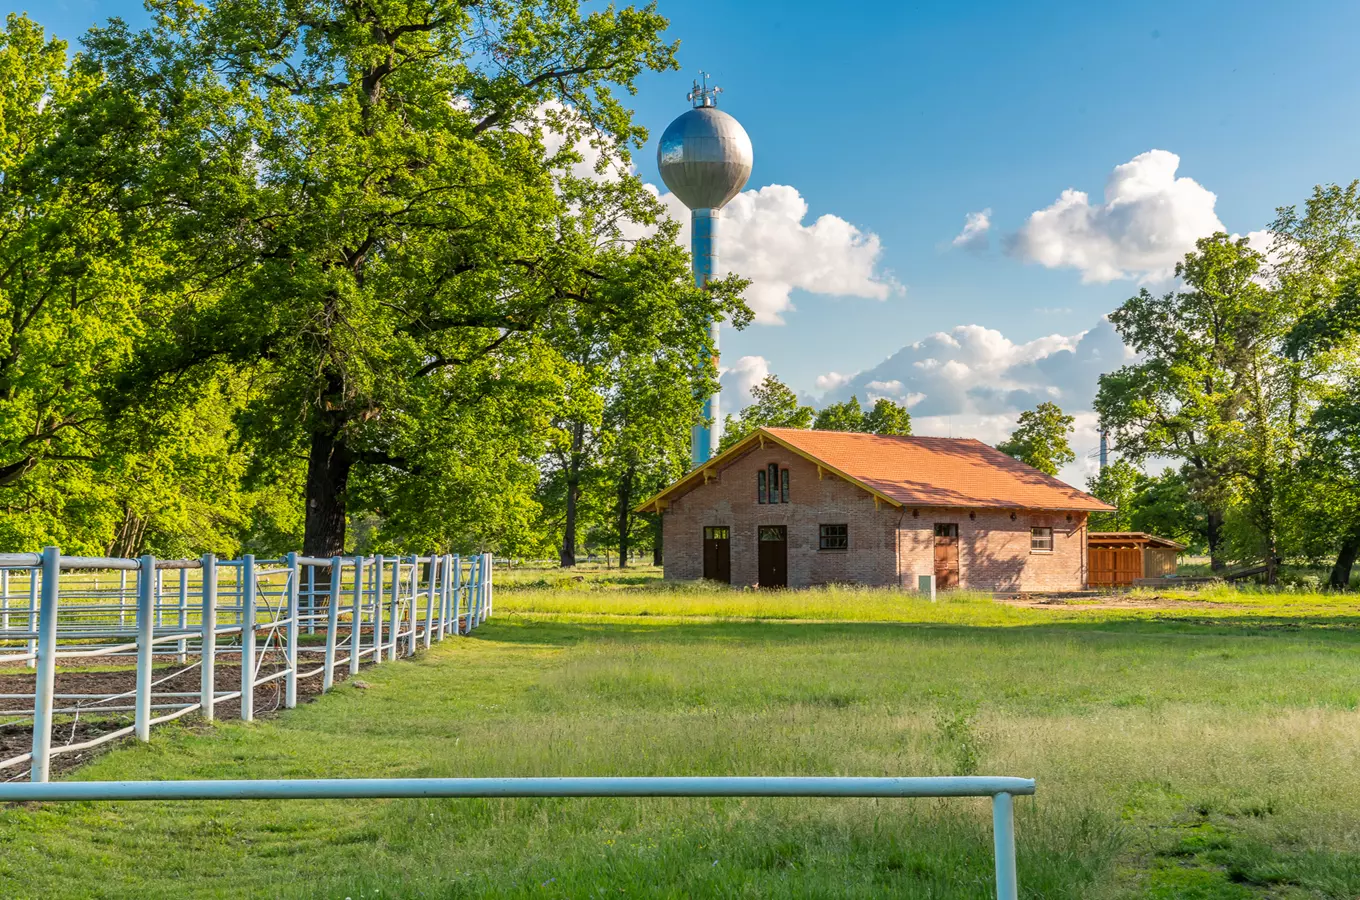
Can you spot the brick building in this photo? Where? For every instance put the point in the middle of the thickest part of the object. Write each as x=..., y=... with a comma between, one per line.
x=789, y=507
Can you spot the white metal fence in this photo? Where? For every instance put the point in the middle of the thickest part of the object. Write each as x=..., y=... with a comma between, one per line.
x=1001, y=790
x=284, y=620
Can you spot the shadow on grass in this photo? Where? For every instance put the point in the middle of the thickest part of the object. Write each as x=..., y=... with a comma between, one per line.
x=546, y=629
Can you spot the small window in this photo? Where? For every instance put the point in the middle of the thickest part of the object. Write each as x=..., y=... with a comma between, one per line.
x=943, y=530
x=773, y=470
x=1041, y=539
x=760, y=486
x=784, y=486
x=834, y=537
x=771, y=533
x=717, y=533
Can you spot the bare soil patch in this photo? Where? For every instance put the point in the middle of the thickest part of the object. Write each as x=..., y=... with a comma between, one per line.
x=92, y=722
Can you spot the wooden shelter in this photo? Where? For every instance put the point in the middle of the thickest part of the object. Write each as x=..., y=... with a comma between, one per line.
x=1118, y=558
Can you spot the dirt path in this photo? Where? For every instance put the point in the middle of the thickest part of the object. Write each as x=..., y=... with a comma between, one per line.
x=1112, y=602
x=90, y=723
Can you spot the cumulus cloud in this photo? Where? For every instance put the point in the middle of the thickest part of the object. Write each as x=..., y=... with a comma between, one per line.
x=764, y=233
x=738, y=379
x=830, y=381
x=976, y=225
x=765, y=238
x=1147, y=223
x=973, y=381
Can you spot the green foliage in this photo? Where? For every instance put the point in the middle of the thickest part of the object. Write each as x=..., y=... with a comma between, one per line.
x=774, y=405
x=846, y=416
x=886, y=417
x=1040, y=439
x=1117, y=485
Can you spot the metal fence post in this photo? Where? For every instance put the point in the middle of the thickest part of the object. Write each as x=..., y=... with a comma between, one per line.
x=122, y=598
x=31, y=647
x=490, y=585
x=379, y=569
x=182, y=645
x=4, y=599
x=248, y=637
x=356, y=617
x=1003, y=834
x=311, y=599
x=290, y=655
x=431, y=587
x=394, y=619
x=208, y=684
x=332, y=625
x=46, y=663
x=457, y=594
x=146, y=631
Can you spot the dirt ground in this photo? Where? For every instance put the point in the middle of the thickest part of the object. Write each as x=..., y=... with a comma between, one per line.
x=1092, y=600
x=17, y=739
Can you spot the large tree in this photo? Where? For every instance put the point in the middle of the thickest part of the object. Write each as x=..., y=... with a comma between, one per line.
x=1204, y=390
x=773, y=405
x=1040, y=439
x=368, y=215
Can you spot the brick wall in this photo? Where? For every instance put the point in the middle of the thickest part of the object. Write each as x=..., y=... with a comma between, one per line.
x=813, y=501
x=888, y=546
x=994, y=549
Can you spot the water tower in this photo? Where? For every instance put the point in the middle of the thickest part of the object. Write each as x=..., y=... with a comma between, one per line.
x=705, y=159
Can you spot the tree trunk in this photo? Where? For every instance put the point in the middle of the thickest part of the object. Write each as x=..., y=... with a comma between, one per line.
x=1214, y=531
x=625, y=501
x=656, y=539
x=328, y=466
x=574, y=460
x=568, y=555
x=1345, y=559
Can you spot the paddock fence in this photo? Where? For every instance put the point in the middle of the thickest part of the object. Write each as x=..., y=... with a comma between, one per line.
x=289, y=623
x=1002, y=791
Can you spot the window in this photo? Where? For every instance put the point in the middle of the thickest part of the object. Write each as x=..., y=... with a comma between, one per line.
x=1041, y=539
x=717, y=533
x=772, y=484
x=943, y=530
x=773, y=533
x=834, y=537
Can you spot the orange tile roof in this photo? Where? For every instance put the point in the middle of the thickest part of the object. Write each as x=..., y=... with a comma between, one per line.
x=914, y=471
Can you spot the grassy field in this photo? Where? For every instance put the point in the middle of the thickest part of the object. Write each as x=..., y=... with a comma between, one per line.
x=1188, y=747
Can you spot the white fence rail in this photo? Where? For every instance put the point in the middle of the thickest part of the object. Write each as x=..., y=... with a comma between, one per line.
x=1001, y=790
x=193, y=613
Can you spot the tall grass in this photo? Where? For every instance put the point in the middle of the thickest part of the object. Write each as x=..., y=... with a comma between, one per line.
x=1174, y=759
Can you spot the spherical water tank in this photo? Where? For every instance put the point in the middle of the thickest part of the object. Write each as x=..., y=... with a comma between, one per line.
x=705, y=158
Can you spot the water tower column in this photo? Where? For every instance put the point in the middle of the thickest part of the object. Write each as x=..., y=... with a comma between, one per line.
x=704, y=251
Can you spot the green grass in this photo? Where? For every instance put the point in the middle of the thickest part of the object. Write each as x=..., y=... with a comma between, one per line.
x=1213, y=753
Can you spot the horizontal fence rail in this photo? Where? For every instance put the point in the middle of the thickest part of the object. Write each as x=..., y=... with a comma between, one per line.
x=1001, y=790
x=299, y=617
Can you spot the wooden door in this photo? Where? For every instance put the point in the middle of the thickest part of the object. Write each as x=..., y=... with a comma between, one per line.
x=773, y=556
x=1115, y=566
x=718, y=553
x=946, y=555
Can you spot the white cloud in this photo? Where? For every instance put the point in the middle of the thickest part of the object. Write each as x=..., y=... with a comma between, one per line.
x=973, y=381
x=763, y=234
x=764, y=238
x=975, y=228
x=738, y=379
x=831, y=381
x=1147, y=223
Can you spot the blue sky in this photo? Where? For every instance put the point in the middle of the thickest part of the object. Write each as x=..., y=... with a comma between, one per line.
x=902, y=118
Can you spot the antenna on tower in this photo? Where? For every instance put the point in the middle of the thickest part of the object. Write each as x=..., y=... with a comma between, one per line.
x=701, y=95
